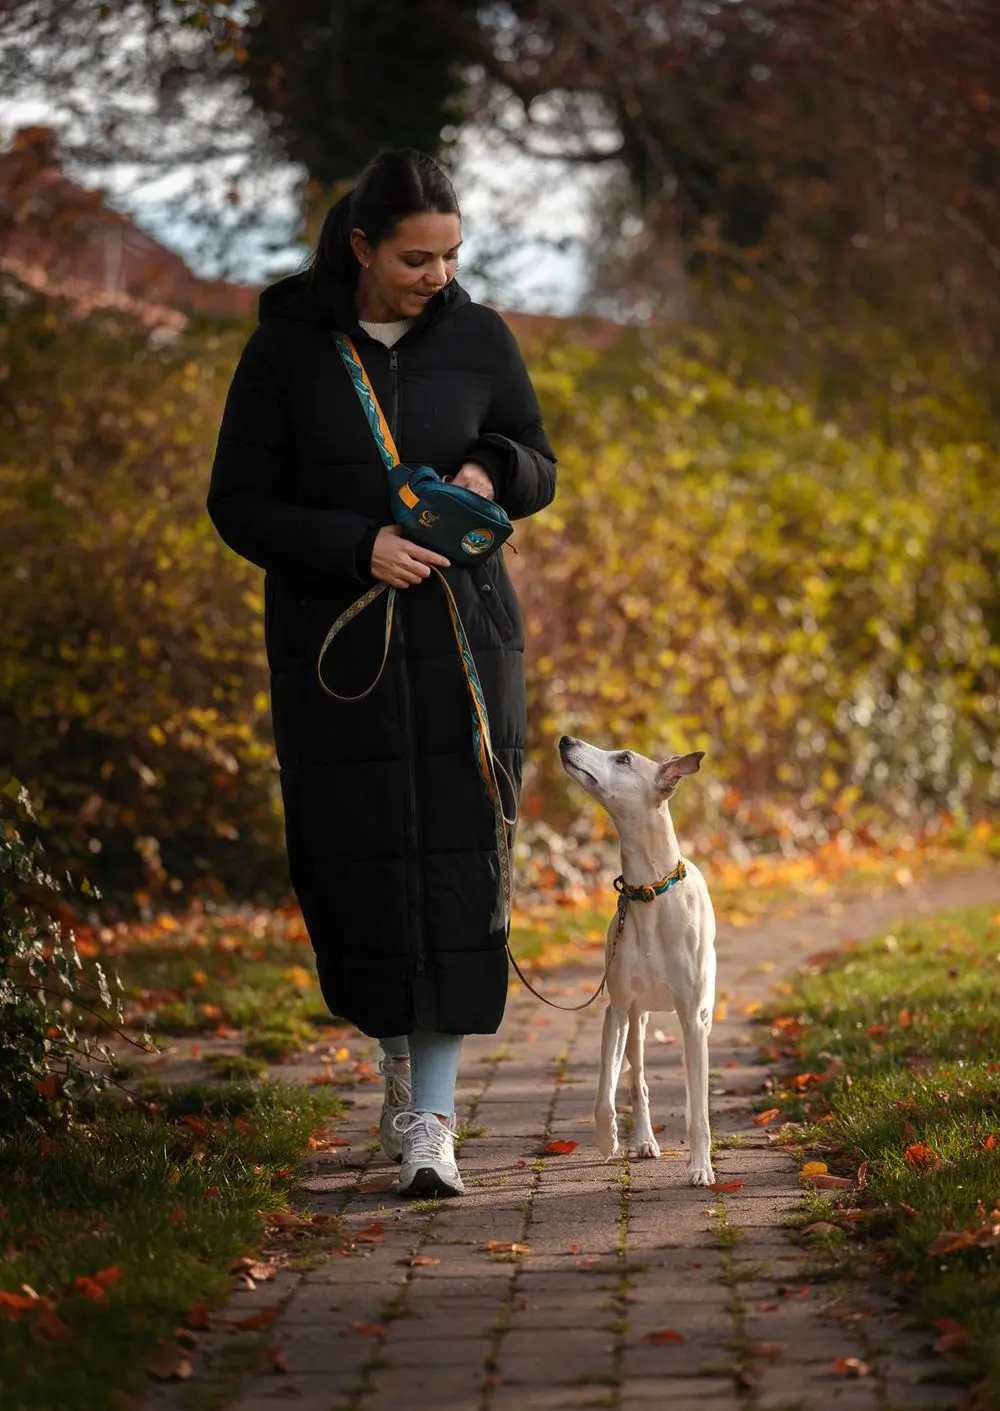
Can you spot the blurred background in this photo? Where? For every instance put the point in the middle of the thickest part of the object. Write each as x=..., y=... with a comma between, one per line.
x=752, y=251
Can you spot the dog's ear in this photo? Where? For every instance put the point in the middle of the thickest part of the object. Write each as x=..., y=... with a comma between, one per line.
x=673, y=770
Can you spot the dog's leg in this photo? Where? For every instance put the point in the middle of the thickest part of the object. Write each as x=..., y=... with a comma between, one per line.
x=635, y=1047
x=612, y=1053
x=695, y=1028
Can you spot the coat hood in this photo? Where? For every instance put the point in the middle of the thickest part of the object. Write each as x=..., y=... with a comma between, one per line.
x=331, y=302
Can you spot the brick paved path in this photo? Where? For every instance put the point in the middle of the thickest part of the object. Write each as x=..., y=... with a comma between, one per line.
x=616, y=1251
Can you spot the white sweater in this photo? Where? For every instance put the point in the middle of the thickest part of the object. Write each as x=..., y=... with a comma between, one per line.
x=387, y=333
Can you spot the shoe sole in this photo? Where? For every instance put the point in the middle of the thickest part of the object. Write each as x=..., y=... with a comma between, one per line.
x=428, y=1183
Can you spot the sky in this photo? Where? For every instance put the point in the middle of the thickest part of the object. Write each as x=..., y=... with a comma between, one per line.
x=542, y=206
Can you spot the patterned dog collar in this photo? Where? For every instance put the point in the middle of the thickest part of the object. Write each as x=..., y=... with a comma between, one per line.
x=649, y=892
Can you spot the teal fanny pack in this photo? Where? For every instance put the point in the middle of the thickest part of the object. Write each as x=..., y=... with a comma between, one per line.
x=465, y=527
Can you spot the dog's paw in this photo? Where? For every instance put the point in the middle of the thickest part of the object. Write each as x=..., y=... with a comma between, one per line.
x=647, y=1149
x=606, y=1134
x=702, y=1174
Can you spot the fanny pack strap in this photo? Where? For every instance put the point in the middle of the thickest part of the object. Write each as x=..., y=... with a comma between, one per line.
x=488, y=765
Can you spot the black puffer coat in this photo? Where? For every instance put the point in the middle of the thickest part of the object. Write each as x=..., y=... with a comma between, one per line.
x=389, y=830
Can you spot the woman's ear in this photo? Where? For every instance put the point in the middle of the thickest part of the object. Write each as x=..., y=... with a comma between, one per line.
x=362, y=250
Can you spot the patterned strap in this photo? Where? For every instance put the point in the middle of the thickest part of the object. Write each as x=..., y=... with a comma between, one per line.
x=369, y=402
x=487, y=765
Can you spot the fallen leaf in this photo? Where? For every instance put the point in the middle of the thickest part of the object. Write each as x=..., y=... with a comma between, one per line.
x=724, y=1187
x=830, y=1183
x=763, y=1119
x=278, y=1359
x=663, y=1335
x=990, y=1142
x=920, y=1155
x=371, y=1233
x=198, y=1317
x=507, y=1247
x=185, y=1338
x=863, y=1176
x=171, y=1368
x=769, y=1350
x=850, y=1367
x=821, y=1227
x=371, y=1330
x=766, y=1307
x=561, y=1148
x=953, y=1334
x=814, y=1168
x=692, y=1264
x=254, y=1322
x=87, y=1287
x=418, y=1261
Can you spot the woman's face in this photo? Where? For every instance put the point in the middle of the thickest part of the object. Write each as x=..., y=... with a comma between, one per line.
x=409, y=267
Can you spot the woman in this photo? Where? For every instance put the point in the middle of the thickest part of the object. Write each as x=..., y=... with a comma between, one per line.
x=390, y=833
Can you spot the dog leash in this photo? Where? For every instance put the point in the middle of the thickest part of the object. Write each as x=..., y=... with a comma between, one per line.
x=488, y=765
x=627, y=892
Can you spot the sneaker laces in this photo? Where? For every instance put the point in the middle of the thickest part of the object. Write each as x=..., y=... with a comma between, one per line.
x=428, y=1137
x=397, y=1080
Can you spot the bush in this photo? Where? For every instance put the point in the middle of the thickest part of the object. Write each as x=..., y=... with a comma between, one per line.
x=45, y=1063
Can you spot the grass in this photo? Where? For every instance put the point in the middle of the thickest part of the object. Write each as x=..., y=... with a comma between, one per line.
x=125, y=1221
x=902, y=1035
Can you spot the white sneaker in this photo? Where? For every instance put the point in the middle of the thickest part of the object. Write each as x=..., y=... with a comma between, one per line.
x=397, y=1099
x=428, y=1156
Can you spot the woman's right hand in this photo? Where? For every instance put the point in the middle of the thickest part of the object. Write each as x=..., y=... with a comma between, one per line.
x=401, y=563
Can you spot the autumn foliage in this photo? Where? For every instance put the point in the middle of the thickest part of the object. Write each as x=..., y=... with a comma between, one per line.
x=723, y=569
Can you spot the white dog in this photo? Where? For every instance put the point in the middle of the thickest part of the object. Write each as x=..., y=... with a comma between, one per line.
x=660, y=950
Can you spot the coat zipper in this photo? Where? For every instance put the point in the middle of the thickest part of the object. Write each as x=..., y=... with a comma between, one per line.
x=420, y=962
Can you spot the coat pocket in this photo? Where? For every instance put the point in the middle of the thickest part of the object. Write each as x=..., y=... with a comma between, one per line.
x=286, y=623
x=491, y=585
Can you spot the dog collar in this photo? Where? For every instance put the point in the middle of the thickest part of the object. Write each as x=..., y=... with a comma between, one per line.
x=627, y=891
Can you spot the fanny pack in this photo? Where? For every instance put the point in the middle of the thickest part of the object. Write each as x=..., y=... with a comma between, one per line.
x=467, y=528
x=456, y=522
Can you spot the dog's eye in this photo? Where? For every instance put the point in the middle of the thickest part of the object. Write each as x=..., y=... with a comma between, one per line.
x=625, y=758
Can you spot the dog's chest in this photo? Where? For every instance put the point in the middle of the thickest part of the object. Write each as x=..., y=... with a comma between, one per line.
x=655, y=960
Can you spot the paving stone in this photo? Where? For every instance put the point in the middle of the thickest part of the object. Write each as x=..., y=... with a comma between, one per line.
x=562, y=1334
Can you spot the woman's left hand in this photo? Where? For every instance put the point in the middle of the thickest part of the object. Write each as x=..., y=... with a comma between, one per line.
x=474, y=478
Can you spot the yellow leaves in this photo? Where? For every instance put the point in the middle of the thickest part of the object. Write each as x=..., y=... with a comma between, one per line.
x=298, y=976
x=814, y=1168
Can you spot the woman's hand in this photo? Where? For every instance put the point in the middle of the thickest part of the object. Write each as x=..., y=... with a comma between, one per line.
x=474, y=478
x=399, y=562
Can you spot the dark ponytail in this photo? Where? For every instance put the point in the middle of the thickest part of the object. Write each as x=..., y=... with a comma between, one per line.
x=395, y=185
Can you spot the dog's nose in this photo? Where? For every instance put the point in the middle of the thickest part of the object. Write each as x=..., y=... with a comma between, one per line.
x=565, y=742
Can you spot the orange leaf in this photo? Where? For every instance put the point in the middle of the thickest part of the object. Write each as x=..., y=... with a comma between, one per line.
x=370, y=1233
x=830, y=1183
x=990, y=1142
x=48, y=1087
x=814, y=1168
x=559, y=1148
x=372, y=1330
x=109, y=1276
x=850, y=1367
x=171, y=1368
x=763, y=1119
x=418, y=1261
x=89, y=1288
x=507, y=1247
x=664, y=1335
x=255, y=1322
x=920, y=1154
x=953, y=1335
x=16, y=1302
x=724, y=1187
x=198, y=1317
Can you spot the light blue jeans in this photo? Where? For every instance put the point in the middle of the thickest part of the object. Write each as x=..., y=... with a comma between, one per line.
x=433, y=1067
